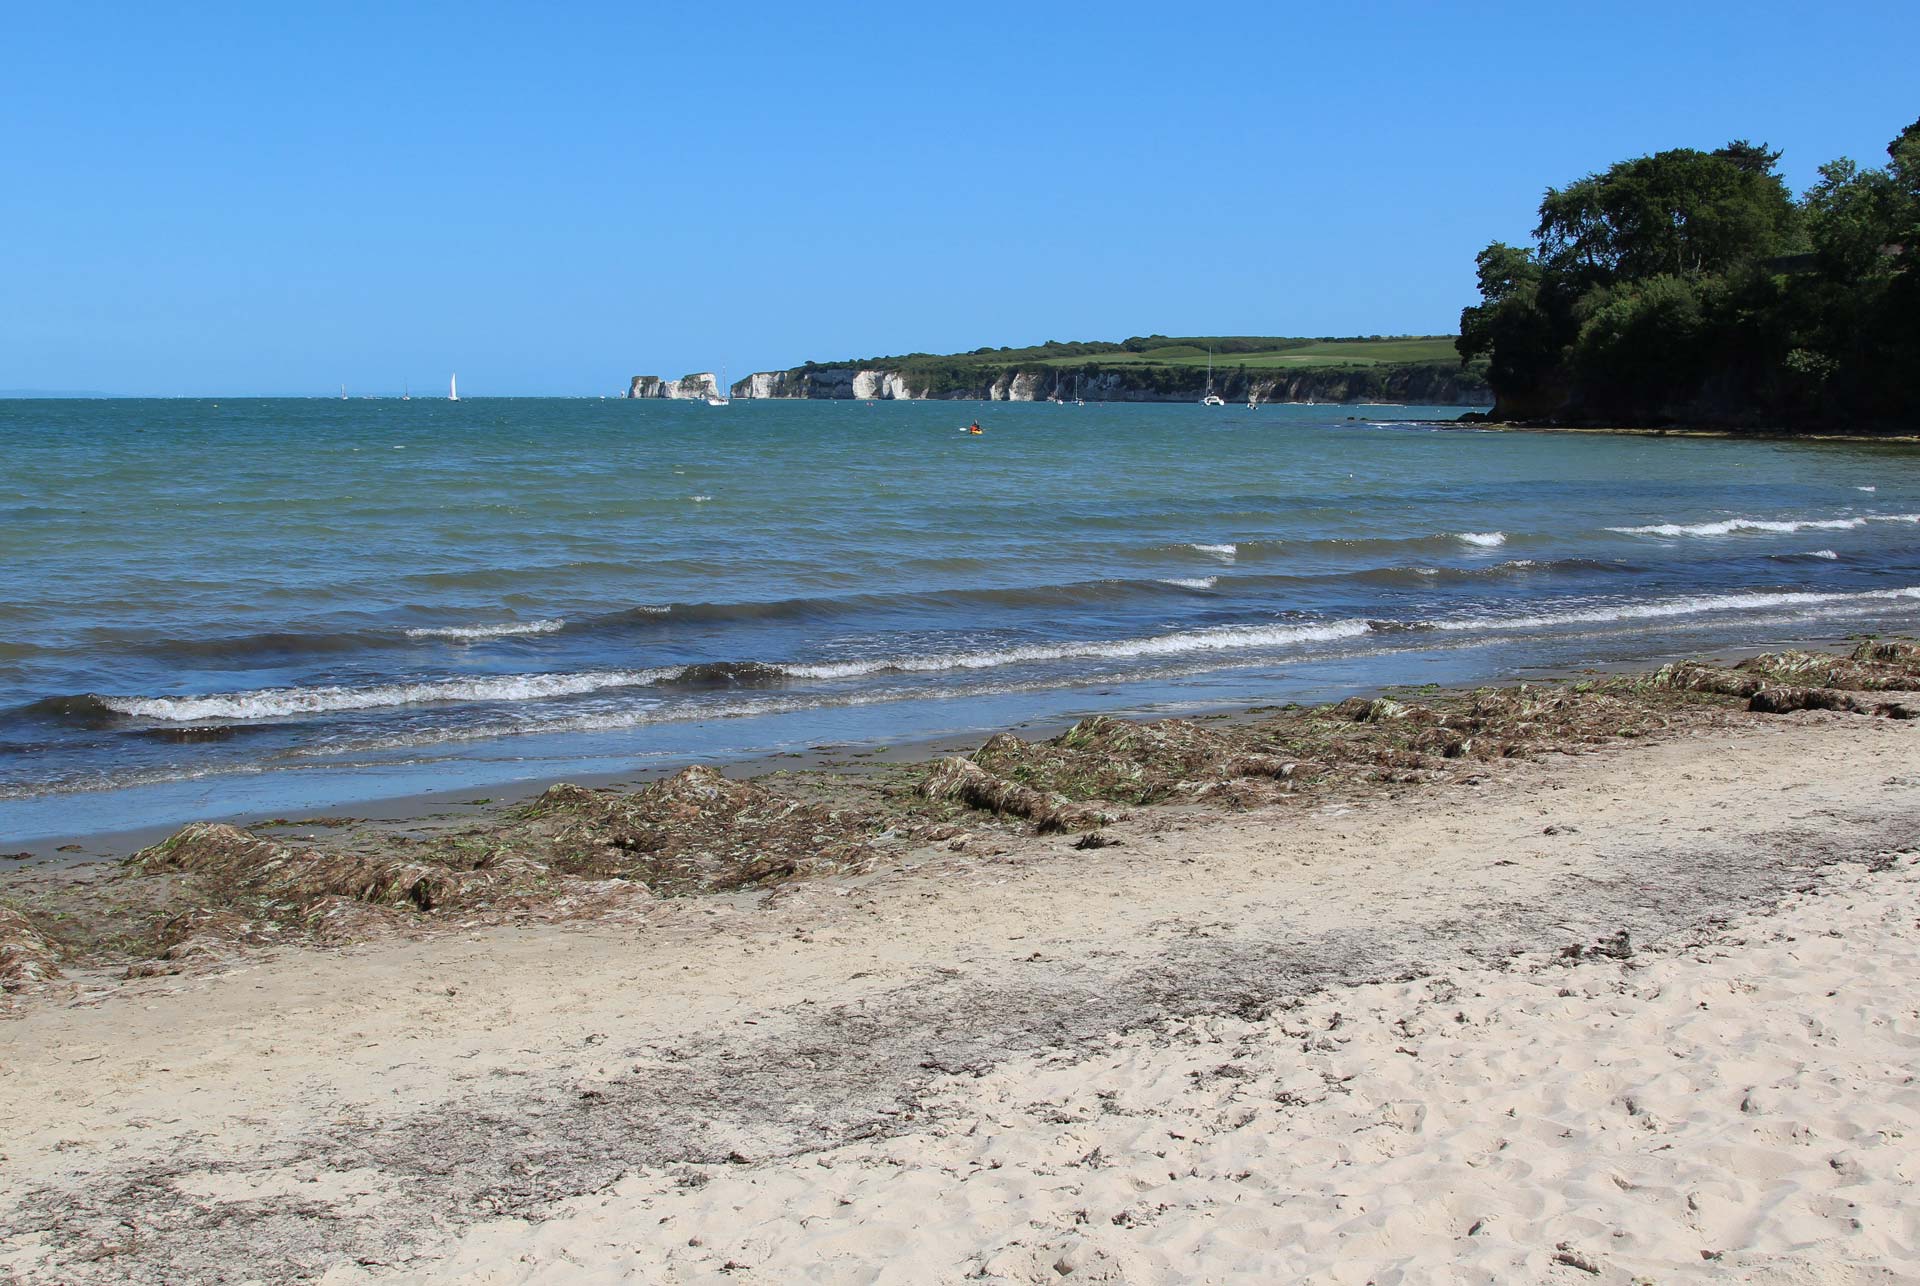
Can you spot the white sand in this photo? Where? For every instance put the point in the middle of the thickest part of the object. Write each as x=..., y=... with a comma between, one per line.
x=372, y=1114
x=1748, y=1111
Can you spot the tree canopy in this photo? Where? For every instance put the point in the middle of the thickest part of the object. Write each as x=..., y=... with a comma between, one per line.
x=1691, y=286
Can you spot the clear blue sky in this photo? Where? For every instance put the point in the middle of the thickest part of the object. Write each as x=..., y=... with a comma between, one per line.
x=250, y=198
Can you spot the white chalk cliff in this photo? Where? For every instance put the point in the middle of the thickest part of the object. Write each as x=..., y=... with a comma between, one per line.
x=698, y=386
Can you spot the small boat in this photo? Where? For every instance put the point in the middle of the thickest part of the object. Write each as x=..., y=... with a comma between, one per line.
x=1253, y=402
x=453, y=388
x=1212, y=398
x=718, y=396
x=406, y=391
x=343, y=392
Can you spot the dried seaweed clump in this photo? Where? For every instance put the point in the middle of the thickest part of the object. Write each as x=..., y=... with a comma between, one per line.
x=1857, y=673
x=1132, y=763
x=961, y=781
x=1783, y=682
x=1412, y=742
x=1902, y=654
x=26, y=959
x=331, y=895
x=291, y=882
x=695, y=831
x=1100, y=758
x=200, y=936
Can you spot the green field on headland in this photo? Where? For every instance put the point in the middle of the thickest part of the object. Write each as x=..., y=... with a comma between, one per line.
x=1224, y=351
x=1288, y=354
x=1411, y=368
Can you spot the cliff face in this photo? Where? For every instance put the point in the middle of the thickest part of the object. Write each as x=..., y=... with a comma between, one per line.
x=1434, y=385
x=697, y=386
x=830, y=383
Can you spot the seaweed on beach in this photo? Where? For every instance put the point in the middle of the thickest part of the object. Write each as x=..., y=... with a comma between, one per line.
x=1362, y=740
x=1906, y=655
x=1785, y=682
x=1869, y=669
x=212, y=892
x=696, y=831
x=1455, y=736
x=26, y=957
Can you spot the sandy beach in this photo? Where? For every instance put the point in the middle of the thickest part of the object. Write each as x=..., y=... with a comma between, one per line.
x=1638, y=1011
x=634, y=650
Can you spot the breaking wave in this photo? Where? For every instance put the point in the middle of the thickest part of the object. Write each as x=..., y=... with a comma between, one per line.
x=270, y=703
x=1689, y=606
x=1781, y=526
x=486, y=631
x=1484, y=539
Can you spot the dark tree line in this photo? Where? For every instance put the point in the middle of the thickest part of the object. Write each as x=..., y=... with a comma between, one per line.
x=1692, y=287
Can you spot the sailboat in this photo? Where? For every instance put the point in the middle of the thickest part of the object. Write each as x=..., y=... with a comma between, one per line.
x=453, y=388
x=718, y=397
x=1212, y=398
x=343, y=392
x=406, y=391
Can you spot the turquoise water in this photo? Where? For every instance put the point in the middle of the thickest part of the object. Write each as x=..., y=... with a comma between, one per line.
x=208, y=608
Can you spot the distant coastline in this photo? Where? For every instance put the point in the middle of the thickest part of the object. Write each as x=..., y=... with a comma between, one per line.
x=1422, y=369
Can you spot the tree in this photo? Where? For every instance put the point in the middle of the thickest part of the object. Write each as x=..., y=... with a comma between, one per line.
x=1678, y=285
x=1679, y=213
x=1522, y=330
x=1852, y=216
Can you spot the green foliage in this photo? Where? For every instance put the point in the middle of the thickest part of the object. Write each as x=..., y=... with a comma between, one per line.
x=1161, y=362
x=1680, y=212
x=1646, y=340
x=1690, y=285
x=1850, y=218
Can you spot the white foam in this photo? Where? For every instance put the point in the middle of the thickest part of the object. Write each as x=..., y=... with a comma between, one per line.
x=699, y=499
x=269, y=703
x=1214, y=639
x=1866, y=488
x=486, y=631
x=1692, y=606
x=1822, y=553
x=1727, y=526
x=1484, y=539
x=1191, y=582
x=1225, y=553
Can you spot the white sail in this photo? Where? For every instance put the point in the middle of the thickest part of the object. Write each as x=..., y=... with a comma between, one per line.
x=453, y=388
x=1212, y=398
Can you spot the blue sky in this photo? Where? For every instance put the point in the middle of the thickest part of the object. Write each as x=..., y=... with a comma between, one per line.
x=279, y=198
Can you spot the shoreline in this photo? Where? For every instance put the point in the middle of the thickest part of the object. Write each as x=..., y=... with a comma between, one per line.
x=746, y=1076
x=1701, y=431
x=113, y=846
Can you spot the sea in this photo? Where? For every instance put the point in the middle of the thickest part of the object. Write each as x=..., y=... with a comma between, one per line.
x=253, y=607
